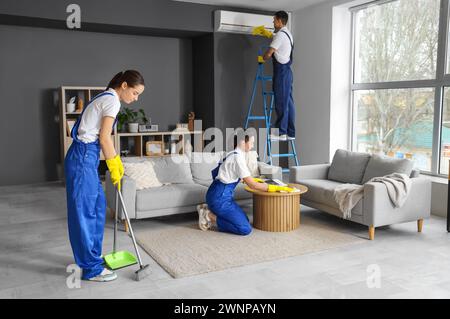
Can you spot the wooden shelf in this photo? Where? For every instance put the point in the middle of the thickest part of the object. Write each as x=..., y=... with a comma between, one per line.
x=139, y=139
x=138, y=146
x=86, y=93
x=160, y=133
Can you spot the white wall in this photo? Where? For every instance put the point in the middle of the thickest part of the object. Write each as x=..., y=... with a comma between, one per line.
x=312, y=70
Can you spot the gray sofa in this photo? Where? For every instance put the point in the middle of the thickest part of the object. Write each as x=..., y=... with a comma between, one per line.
x=375, y=209
x=187, y=179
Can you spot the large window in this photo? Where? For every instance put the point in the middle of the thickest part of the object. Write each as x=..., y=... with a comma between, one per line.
x=401, y=81
x=398, y=123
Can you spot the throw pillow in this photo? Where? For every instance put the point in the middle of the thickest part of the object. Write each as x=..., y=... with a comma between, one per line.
x=143, y=173
x=251, y=158
x=348, y=167
x=383, y=165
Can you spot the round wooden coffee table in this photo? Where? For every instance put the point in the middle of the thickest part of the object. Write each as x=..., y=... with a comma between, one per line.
x=277, y=212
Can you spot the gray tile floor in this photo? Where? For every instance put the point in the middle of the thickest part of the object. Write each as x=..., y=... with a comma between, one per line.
x=34, y=254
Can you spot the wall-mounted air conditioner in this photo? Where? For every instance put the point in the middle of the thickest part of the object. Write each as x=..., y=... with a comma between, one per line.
x=238, y=22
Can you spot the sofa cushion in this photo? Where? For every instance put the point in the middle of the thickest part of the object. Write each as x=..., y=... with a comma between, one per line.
x=380, y=165
x=142, y=173
x=169, y=196
x=251, y=159
x=201, y=166
x=241, y=193
x=348, y=167
x=320, y=191
x=169, y=169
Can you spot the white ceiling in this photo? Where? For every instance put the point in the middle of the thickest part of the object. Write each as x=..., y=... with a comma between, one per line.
x=269, y=5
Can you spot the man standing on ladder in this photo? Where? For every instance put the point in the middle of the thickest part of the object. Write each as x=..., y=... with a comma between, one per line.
x=280, y=51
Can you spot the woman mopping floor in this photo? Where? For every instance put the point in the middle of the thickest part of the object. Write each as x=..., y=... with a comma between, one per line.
x=86, y=203
x=225, y=212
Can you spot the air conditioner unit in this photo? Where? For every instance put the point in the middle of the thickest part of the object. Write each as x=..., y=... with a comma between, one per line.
x=238, y=22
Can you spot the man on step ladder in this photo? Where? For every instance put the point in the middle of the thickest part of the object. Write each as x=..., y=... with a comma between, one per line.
x=280, y=51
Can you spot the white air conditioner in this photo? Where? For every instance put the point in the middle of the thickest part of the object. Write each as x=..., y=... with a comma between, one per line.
x=238, y=22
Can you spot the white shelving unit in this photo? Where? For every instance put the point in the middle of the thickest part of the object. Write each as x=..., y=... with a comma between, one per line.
x=86, y=93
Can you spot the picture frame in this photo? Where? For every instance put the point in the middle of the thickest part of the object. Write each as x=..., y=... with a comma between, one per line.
x=154, y=148
x=69, y=125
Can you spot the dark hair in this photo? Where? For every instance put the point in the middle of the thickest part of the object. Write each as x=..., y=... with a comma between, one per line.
x=132, y=77
x=239, y=138
x=283, y=16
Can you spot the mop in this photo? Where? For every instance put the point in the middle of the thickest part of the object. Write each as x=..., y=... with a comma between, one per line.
x=122, y=259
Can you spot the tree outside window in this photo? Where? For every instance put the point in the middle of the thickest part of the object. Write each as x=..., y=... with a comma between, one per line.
x=396, y=42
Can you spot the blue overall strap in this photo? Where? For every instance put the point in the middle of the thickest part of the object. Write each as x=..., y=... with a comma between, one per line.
x=292, y=43
x=215, y=171
x=74, y=132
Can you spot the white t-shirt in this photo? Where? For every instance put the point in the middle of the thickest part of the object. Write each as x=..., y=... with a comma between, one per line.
x=233, y=168
x=282, y=45
x=91, y=122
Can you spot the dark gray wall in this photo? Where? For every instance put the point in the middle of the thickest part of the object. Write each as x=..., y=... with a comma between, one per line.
x=186, y=67
x=161, y=14
x=34, y=62
x=224, y=70
x=203, y=78
x=235, y=70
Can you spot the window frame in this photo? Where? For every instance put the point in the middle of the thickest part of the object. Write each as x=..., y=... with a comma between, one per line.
x=441, y=81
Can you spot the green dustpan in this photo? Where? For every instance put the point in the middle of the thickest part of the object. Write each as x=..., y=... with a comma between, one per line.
x=119, y=259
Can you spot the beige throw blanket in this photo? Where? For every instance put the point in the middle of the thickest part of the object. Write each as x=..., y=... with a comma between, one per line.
x=348, y=195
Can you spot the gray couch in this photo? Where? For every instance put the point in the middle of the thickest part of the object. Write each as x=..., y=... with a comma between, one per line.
x=375, y=209
x=187, y=179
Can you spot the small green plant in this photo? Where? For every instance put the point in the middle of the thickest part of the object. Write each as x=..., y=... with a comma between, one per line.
x=128, y=115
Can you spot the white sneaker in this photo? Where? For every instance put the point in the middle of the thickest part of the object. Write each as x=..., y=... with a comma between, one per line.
x=204, y=223
x=105, y=276
x=278, y=138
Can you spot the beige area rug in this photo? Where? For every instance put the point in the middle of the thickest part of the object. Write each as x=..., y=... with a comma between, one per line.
x=184, y=250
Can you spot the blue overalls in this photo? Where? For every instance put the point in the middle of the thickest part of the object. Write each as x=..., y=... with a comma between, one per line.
x=284, y=102
x=230, y=216
x=86, y=203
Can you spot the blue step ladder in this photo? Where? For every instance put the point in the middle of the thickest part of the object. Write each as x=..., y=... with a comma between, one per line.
x=268, y=106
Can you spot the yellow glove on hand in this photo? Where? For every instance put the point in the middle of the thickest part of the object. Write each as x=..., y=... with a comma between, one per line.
x=116, y=170
x=276, y=188
x=262, y=32
x=258, y=180
x=261, y=59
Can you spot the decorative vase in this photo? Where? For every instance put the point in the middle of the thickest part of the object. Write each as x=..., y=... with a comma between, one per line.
x=133, y=127
x=70, y=107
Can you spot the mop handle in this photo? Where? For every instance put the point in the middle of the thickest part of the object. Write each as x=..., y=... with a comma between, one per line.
x=116, y=213
x=130, y=228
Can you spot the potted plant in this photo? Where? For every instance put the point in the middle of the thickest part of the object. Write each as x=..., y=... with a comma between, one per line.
x=132, y=118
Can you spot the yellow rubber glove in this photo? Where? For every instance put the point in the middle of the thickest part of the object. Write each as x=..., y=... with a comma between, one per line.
x=116, y=170
x=258, y=180
x=261, y=59
x=276, y=188
x=262, y=32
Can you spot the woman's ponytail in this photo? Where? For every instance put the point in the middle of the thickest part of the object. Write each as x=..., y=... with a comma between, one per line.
x=132, y=77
